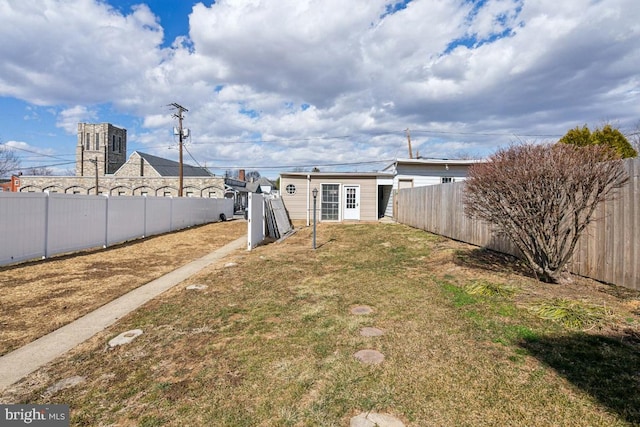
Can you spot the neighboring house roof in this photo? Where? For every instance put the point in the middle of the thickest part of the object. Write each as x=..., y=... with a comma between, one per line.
x=256, y=186
x=248, y=187
x=340, y=174
x=237, y=185
x=421, y=161
x=166, y=167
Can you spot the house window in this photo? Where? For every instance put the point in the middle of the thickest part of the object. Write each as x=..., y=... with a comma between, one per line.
x=446, y=180
x=291, y=189
x=87, y=142
x=189, y=193
x=167, y=194
x=330, y=202
x=97, y=141
x=119, y=144
x=144, y=193
x=212, y=195
x=121, y=192
x=113, y=143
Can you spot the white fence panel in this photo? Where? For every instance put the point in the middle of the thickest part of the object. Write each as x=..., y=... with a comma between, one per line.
x=125, y=219
x=181, y=215
x=255, y=232
x=158, y=215
x=36, y=225
x=22, y=227
x=222, y=207
x=75, y=222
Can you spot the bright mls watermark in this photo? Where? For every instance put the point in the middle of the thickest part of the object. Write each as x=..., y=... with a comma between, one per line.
x=34, y=415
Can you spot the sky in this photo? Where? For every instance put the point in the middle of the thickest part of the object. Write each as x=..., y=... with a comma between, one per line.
x=288, y=85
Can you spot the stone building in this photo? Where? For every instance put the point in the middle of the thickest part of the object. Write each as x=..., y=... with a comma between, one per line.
x=100, y=145
x=102, y=167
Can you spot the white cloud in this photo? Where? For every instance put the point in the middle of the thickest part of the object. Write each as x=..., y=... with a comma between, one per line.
x=295, y=71
x=73, y=51
x=69, y=118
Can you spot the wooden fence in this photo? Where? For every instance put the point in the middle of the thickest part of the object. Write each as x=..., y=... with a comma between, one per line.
x=608, y=251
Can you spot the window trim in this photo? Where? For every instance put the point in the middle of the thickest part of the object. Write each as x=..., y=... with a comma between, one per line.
x=338, y=202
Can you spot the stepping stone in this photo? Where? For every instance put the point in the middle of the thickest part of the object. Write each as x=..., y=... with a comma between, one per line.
x=372, y=419
x=65, y=383
x=231, y=264
x=370, y=357
x=361, y=309
x=196, y=287
x=125, y=338
x=371, y=332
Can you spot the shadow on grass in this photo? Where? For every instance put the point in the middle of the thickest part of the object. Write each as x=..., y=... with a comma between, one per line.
x=606, y=368
x=486, y=259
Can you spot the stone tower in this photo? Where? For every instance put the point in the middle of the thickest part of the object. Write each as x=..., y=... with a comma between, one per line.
x=102, y=142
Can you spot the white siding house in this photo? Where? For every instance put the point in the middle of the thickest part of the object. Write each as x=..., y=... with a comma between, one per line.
x=409, y=173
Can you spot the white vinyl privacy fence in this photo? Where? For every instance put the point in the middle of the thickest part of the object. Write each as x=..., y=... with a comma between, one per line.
x=40, y=225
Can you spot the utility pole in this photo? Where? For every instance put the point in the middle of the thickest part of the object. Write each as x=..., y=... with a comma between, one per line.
x=409, y=142
x=179, y=116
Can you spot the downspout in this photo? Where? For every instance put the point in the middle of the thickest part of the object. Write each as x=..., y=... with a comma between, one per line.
x=308, y=195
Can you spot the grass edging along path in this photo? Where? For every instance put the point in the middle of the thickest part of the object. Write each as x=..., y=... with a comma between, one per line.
x=271, y=342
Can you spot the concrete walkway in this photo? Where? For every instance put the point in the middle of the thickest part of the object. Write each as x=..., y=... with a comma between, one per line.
x=19, y=363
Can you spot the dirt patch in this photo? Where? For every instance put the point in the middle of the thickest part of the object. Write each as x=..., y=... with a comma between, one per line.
x=39, y=297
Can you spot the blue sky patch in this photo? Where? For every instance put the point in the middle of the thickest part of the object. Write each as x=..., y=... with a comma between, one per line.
x=390, y=9
x=249, y=112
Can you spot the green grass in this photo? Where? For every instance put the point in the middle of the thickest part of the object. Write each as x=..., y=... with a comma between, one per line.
x=271, y=343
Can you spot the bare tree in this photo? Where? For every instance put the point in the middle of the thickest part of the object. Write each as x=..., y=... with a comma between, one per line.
x=542, y=197
x=9, y=161
x=40, y=171
x=253, y=176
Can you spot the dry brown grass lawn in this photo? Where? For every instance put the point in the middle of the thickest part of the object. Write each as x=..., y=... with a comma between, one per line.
x=270, y=342
x=39, y=297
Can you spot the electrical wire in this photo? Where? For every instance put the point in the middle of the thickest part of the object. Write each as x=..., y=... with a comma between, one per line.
x=302, y=166
x=11, y=147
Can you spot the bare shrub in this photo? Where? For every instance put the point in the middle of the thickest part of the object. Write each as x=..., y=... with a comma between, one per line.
x=542, y=197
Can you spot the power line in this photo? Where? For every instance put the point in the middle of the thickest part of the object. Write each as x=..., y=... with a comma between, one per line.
x=302, y=166
x=40, y=167
x=485, y=133
x=33, y=152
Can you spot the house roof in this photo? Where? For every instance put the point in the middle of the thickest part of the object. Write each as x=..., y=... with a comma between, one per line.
x=256, y=185
x=340, y=174
x=248, y=187
x=425, y=161
x=166, y=167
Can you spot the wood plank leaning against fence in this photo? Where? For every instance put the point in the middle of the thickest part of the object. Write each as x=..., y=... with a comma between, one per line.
x=608, y=250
